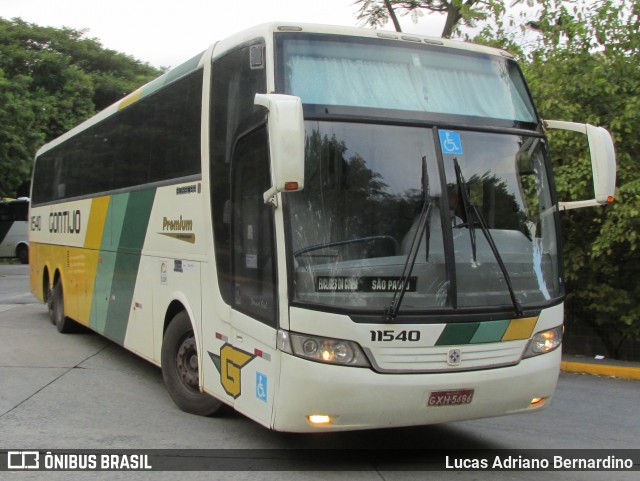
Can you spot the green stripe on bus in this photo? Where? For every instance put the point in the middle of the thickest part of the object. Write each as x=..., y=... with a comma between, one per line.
x=455, y=334
x=114, y=223
x=491, y=331
x=180, y=71
x=134, y=229
x=107, y=260
x=483, y=332
x=102, y=290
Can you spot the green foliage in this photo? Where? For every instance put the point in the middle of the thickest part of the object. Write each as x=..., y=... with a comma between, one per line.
x=51, y=80
x=18, y=138
x=376, y=13
x=585, y=67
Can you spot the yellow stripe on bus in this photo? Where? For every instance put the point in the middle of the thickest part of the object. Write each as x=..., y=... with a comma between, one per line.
x=520, y=329
x=85, y=277
x=99, y=208
x=134, y=97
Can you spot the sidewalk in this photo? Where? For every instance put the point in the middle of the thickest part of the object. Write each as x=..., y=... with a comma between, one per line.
x=601, y=367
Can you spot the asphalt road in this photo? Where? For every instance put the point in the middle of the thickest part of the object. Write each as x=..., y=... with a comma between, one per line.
x=80, y=391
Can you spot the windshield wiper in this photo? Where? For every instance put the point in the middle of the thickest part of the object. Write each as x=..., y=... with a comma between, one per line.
x=470, y=208
x=425, y=215
x=467, y=207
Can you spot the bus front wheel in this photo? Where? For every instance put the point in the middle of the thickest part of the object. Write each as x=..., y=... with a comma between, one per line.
x=180, y=368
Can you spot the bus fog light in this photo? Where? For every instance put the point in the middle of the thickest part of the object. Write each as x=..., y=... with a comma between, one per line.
x=544, y=341
x=327, y=350
x=537, y=401
x=320, y=419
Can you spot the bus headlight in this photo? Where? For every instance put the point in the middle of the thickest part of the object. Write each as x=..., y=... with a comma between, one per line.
x=322, y=349
x=544, y=341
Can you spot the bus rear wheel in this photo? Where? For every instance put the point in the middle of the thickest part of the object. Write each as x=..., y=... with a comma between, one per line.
x=180, y=369
x=62, y=322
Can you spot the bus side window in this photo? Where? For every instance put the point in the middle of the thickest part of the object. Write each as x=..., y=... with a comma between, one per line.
x=5, y=215
x=252, y=229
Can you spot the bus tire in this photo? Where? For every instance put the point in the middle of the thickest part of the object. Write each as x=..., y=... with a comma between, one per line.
x=22, y=253
x=179, y=360
x=62, y=322
x=48, y=299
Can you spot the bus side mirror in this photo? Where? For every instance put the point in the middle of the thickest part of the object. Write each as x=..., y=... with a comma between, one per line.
x=603, y=162
x=286, y=143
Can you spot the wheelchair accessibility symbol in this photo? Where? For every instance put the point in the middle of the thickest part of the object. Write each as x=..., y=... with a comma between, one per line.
x=261, y=387
x=450, y=142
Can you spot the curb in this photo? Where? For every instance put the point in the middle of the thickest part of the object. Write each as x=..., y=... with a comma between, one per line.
x=622, y=372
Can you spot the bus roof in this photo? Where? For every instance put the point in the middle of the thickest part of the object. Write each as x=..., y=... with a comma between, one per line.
x=265, y=30
x=275, y=27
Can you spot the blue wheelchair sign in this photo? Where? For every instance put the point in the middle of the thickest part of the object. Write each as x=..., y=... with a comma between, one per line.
x=261, y=387
x=450, y=142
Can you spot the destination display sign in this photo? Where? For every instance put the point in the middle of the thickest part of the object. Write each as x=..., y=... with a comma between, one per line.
x=364, y=284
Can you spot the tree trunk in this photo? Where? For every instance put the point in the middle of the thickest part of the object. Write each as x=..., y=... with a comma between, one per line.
x=393, y=16
x=453, y=17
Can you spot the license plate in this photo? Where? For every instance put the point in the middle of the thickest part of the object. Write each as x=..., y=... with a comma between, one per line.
x=452, y=397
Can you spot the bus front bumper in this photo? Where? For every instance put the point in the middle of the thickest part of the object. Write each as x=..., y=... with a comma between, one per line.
x=359, y=398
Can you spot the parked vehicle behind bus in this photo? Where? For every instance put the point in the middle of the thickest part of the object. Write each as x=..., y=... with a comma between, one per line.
x=326, y=228
x=14, y=232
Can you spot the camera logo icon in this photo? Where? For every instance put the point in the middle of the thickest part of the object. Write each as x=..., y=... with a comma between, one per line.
x=23, y=460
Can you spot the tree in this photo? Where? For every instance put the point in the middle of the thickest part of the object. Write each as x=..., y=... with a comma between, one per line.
x=51, y=80
x=588, y=68
x=376, y=13
x=18, y=138
x=582, y=63
x=585, y=67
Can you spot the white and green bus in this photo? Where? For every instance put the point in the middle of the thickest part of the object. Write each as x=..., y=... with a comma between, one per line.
x=14, y=233
x=325, y=228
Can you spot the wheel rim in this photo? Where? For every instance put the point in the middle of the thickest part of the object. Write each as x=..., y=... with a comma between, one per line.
x=187, y=363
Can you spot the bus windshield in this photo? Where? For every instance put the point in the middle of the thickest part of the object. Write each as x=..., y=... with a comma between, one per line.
x=353, y=224
x=476, y=203
x=403, y=76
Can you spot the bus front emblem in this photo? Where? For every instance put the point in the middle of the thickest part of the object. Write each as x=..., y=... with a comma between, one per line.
x=454, y=357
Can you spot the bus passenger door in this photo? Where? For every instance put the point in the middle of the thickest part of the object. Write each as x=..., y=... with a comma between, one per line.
x=242, y=348
x=254, y=314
